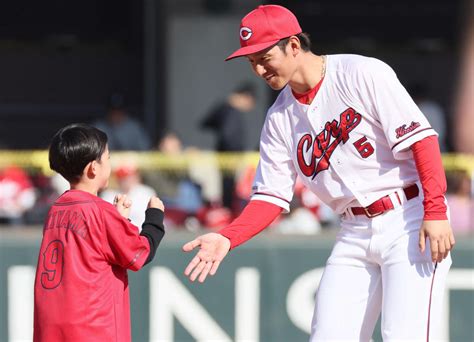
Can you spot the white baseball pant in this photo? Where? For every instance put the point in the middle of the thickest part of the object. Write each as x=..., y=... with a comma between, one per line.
x=376, y=267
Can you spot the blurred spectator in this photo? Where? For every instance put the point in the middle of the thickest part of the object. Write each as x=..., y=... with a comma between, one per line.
x=123, y=132
x=179, y=193
x=204, y=170
x=432, y=110
x=46, y=195
x=213, y=217
x=166, y=183
x=460, y=202
x=17, y=195
x=299, y=221
x=308, y=215
x=325, y=215
x=192, y=195
x=130, y=183
x=463, y=135
x=227, y=122
x=243, y=187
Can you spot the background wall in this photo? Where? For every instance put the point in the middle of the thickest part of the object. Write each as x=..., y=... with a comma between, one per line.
x=264, y=291
x=59, y=63
x=199, y=78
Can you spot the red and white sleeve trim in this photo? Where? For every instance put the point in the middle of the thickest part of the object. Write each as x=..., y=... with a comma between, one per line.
x=256, y=216
x=282, y=203
x=413, y=138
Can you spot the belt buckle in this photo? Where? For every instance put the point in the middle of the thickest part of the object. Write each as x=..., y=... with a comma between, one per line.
x=369, y=215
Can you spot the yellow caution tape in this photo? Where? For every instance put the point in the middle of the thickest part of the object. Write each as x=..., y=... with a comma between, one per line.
x=227, y=162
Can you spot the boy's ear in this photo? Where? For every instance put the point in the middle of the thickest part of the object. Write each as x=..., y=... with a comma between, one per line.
x=91, y=169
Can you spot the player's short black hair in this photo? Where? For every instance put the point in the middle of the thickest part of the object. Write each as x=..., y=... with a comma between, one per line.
x=73, y=147
x=304, y=40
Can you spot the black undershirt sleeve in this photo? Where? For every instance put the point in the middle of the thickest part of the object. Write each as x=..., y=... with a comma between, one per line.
x=153, y=229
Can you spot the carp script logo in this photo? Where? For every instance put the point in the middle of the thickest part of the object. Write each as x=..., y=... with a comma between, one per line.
x=325, y=143
x=402, y=130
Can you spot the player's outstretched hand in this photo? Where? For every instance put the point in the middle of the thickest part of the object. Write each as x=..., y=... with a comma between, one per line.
x=123, y=205
x=155, y=202
x=440, y=236
x=213, y=248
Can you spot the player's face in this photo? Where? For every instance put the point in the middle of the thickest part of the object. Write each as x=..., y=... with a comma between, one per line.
x=274, y=66
x=104, y=169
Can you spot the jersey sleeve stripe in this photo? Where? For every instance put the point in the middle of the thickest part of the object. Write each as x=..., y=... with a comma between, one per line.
x=139, y=253
x=280, y=198
x=282, y=203
x=409, y=136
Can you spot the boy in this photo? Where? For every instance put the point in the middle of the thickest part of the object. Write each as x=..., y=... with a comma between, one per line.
x=81, y=285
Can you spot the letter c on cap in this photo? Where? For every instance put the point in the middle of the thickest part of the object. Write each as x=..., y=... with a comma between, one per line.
x=245, y=33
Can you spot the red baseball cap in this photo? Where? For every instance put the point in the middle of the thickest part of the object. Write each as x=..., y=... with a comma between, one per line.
x=125, y=171
x=263, y=27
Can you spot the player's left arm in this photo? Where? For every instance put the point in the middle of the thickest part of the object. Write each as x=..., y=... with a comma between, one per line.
x=405, y=128
x=436, y=226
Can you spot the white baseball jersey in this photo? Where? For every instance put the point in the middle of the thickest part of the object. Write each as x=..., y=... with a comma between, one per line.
x=350, y=146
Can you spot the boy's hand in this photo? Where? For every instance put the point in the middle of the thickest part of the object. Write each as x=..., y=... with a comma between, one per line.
x=155, y=202
x=123, y=205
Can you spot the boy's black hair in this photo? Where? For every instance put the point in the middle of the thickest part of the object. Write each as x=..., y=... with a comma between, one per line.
x=73, y=147
x=305, y=42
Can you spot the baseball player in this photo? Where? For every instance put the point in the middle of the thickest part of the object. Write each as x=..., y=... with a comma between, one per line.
x=348, y=128
x=81, y=285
